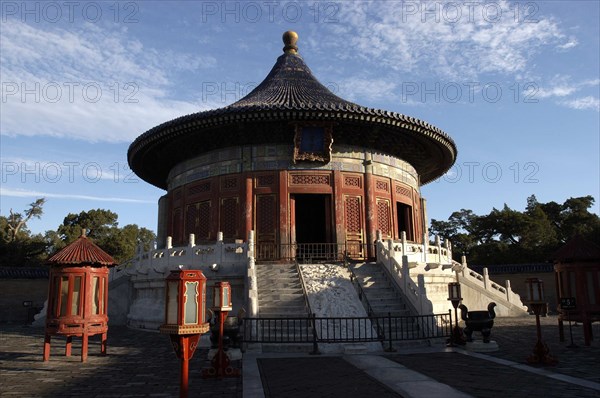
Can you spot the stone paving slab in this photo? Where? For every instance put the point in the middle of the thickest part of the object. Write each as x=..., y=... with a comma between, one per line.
x=142, y=364
x=138, y=364
x=516, y=338
x=318, y=377
x=484, y=378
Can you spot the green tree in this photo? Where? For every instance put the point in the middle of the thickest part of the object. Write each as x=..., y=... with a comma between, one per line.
x=510, y=236
x=17, y=222
x=102, y=227
x=17, y=246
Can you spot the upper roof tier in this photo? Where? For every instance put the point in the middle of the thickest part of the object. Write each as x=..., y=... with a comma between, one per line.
x=82, y=252
x=290, y=93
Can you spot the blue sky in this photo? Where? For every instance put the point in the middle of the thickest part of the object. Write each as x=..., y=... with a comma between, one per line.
x=515, y=84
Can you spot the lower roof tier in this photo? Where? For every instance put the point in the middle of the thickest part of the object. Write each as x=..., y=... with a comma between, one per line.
x=154, y=154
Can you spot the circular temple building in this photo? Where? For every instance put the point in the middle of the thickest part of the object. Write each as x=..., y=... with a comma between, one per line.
x=296, y=164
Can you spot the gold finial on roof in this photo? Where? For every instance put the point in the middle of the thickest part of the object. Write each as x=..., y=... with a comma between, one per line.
x=289, y=39
x=83, y=232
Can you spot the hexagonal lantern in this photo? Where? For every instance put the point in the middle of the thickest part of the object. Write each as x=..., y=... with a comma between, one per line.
x=185, y=303
x=78, y=295
x=222, y=297
x=185, y=317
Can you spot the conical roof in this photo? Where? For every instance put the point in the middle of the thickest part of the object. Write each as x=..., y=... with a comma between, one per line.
x=290, y=93
x=291, y=85
x=577, y=249
x=82, y=252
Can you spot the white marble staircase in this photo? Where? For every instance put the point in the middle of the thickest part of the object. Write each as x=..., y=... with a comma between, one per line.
x=383, y=297
x=280, y=291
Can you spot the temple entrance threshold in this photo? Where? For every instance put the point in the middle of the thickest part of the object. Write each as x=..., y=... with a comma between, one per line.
x=311, y=224
x=311, y=218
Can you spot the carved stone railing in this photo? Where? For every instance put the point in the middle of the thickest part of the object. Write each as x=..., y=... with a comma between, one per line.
x=421, y=270
x=497, y=292
x=161, y=261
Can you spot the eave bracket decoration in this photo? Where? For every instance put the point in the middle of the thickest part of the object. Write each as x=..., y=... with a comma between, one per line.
x=313, y=142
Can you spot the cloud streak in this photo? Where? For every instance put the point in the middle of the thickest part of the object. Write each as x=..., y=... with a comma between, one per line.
x=25, y=193
x=89, y=83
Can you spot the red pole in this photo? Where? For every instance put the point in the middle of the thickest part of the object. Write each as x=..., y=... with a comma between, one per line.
x=183, y=385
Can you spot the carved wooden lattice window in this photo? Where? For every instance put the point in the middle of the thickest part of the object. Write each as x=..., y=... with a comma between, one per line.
x=266, y=214
x=229, y=217
x=176, y=233
x=199, y=188
x=311, y=179
x=203, y=227
x=384, y=217
x=266, y=180
x=403, y=191
x=353, y=182
x=353, y=223
x=312, y=142
x=381, y=185
x=191, y=219
x=197, y=220
x=228, y=184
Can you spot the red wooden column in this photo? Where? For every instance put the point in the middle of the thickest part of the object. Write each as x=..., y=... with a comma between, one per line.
x=370, y=211
x=248, y=205
x=284, y=222
x=338, y=197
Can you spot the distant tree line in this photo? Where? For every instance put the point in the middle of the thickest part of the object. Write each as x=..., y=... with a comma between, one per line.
x=19, y=247
x=509, y=236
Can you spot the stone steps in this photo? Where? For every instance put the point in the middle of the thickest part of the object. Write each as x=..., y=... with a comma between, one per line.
x=380, y=292
x=280, y=293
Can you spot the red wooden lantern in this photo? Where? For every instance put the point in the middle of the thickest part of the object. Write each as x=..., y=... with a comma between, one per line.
x=185, y=317
x=222, y=297
x=220, y=365
x=535, y=290
x=78, y=295
x=185, y=303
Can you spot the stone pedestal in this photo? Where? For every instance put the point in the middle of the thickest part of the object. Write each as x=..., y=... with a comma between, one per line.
x=480, y=346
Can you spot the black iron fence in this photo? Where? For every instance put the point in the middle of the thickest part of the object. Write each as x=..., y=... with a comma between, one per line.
x=312, y=252
x=314, y=330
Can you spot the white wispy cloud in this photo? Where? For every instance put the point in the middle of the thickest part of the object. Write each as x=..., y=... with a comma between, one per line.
x=562, y=86
x=25, y=193
x=584, y=103
x=367, y=88
x=88, y=82
x=431, y=41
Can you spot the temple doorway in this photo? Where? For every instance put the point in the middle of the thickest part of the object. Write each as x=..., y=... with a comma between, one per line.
x=311, y=218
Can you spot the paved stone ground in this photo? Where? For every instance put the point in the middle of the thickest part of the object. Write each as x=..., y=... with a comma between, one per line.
x=142, y=364
x=303, y=377
x=516, y=338
x=138, y=364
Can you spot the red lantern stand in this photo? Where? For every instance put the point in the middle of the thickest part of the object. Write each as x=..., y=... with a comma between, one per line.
x=535, y=297
x=454, y=296
x=78, y=295
x=185, y=314
x=221, y=306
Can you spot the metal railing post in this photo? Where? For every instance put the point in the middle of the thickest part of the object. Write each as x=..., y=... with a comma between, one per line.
x=315, y=350
x=390, y=348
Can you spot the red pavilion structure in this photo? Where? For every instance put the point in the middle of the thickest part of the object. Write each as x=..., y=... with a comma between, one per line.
x=577, y=272
x=78, y=295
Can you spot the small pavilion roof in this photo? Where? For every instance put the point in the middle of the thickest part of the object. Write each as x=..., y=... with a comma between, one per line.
x=577, y=249
x=82, y=252
x=290, y=93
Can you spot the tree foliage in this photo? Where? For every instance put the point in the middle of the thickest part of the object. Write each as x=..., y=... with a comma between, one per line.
x=510, y=236
x=102, y=227
x=19, y=248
